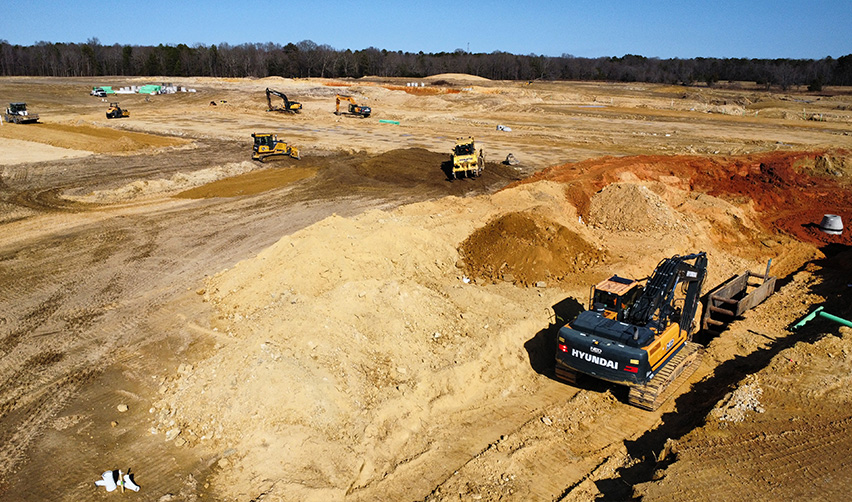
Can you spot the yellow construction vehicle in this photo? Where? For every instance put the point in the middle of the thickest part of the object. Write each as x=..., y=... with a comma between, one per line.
x=268, y=145
x=289, y=106
x=116, y=112
x=637, y=335
x=354, y=108
x=467, y=161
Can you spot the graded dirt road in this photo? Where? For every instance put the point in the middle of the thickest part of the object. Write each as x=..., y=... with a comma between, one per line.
x=356, y=326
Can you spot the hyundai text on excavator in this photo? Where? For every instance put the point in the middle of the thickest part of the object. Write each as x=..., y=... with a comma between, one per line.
x=467, y=161
x=354, y=108
x=289, y=106
x=637, y=335
x=268, y=145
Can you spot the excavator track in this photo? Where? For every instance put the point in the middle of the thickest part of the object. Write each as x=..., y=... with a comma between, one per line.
x=654, y=393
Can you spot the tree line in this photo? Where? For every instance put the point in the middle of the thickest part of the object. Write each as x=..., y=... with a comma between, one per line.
x=308, y=59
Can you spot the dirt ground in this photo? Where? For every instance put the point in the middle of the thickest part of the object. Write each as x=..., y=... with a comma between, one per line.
x=356, y=326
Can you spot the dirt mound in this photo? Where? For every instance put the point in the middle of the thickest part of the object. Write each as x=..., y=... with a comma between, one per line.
x=526, y=248
x=457, y=76
x=632, y=207
x=780, y=188
x=407, y=166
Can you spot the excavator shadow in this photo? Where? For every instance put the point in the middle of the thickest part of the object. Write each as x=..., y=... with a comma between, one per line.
x=541, y=348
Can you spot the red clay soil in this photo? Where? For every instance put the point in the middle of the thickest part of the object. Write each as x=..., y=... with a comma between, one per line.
x=787, y=195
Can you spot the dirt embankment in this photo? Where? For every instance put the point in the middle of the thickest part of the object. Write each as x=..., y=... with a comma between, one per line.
x=385, y=300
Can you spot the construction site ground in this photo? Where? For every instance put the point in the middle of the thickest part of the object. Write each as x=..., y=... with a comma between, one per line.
x=356, y=326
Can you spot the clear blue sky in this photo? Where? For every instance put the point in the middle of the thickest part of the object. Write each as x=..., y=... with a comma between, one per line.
x=588, y=28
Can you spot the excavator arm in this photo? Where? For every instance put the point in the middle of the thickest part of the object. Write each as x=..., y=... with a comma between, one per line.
x=289, y=106
x=657, y=300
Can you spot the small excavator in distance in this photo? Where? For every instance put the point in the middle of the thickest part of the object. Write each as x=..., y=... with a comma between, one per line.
x=17, y=113
x=289, y=106
x=467, y=161
x=637, y=335
x=268, y=145
x=116, y=112
x=354, y=108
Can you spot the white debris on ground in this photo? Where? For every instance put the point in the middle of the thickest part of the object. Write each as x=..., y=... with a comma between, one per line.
x=737, y=405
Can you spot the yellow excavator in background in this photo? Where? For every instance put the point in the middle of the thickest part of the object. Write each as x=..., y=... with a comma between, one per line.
x=116, y=112
x=354, y=108
x=289, y=106
x=268, y=145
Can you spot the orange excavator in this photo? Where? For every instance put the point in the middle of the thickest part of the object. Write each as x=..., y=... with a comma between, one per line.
x=354, y=108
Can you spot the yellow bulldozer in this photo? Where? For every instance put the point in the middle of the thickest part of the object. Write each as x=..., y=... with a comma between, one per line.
x=467, y=161
x=116, y=112
x=268, y=145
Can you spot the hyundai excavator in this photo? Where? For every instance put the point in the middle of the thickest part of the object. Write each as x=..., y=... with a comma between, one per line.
x=636, y=335
x=354, y=108
x=289, y=106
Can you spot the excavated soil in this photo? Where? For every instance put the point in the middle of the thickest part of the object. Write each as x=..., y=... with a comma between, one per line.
x=527, y=249
x=356, y=326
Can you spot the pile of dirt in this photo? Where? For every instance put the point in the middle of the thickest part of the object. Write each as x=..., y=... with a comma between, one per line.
x=405, y=166
x=526, y=248
x=632, y=207
x=373, y=341
x=777, y=187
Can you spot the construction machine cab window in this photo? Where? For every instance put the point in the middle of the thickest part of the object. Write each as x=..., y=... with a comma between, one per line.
x=614, y=296
x=264, y=140
x=465, y=149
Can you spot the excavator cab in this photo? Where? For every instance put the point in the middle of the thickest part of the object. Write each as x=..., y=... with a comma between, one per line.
x=614, y=296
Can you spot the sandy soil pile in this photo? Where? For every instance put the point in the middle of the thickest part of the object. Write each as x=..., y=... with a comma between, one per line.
x=81, y=136
x=346, y=349
x=351, y=359
x=527, y=249
x=632, y=207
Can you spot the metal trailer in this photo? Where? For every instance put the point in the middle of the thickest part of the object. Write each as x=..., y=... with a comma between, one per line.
x=736, y=295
